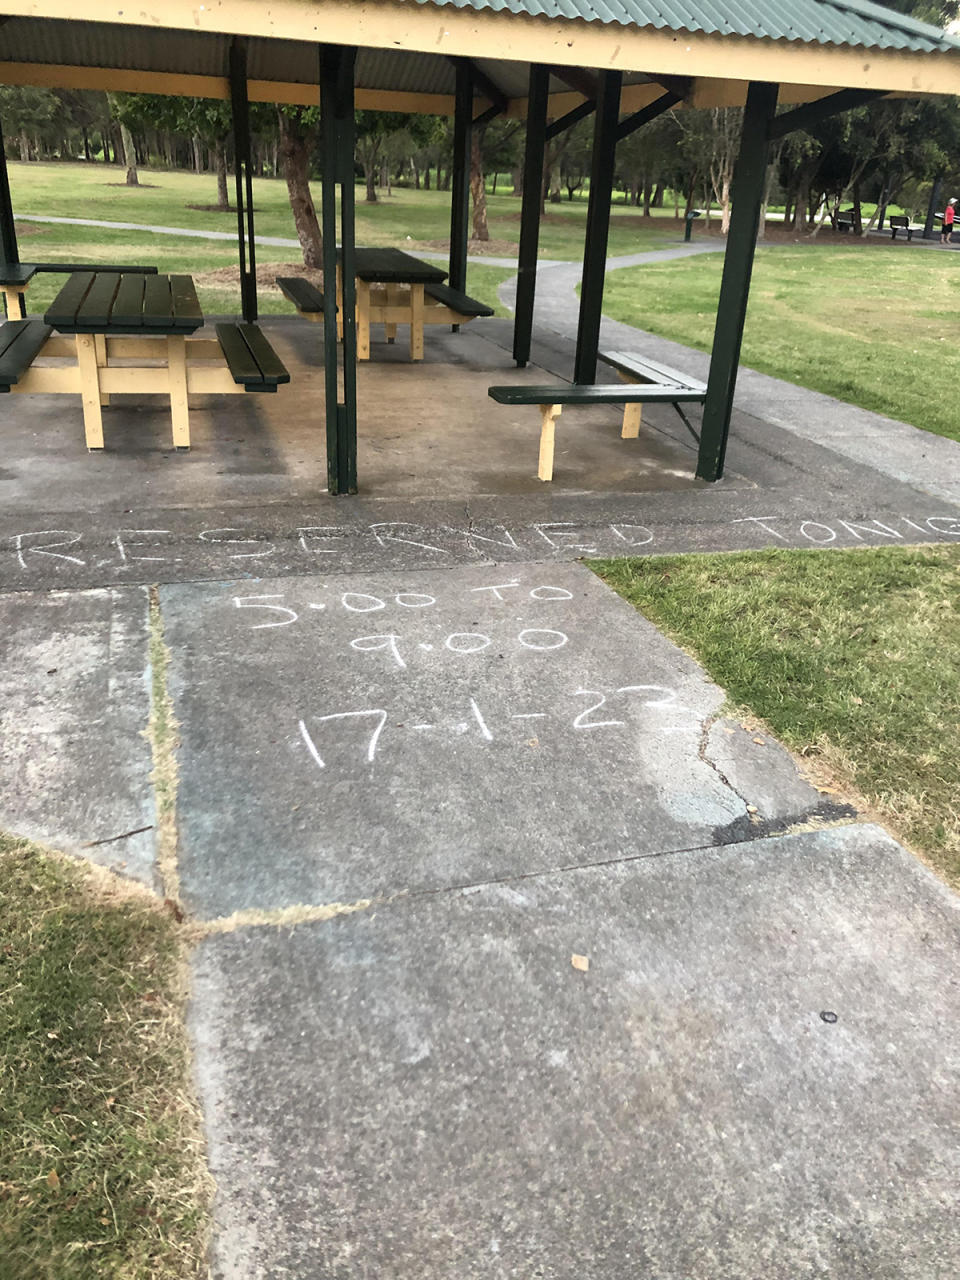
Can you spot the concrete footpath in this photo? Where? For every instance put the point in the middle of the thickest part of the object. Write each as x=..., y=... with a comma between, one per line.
x=519, y=956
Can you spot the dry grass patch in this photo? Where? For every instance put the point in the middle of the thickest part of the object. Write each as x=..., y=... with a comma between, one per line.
x=101, y=1147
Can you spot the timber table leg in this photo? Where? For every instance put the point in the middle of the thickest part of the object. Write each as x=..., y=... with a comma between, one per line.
x=100, y=344
x=393, y=300
x=416, y=322
x=363, y=320
x=90, y=390
x=632, y=417
x=548, y=416
x=179, y=407
x=14, y=303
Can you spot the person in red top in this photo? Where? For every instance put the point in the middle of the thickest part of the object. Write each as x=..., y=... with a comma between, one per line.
x=948, y=217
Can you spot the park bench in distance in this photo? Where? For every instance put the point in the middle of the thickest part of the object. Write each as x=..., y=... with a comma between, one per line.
x=900, y=222
x=647, y=382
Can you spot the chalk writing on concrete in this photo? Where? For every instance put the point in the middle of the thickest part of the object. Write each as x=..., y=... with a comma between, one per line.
x=128, y=551
x=358, y=735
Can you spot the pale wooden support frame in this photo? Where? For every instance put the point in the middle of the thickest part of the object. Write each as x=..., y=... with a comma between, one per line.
x=177, y=374
x=90, y=390
x=13, y=300
x=363, y=320
x=632, y=413
x=177, y=377
x=100, y=342
x=548, y=417
x=416, y=321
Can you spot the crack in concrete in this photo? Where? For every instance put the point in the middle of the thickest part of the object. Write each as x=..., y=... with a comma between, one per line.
x=161, y=733
x=702, y=748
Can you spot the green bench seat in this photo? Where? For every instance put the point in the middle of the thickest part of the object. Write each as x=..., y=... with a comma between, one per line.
x=21, y=341
x=252, y=361
x=305, y=297
x=465, y=307
x=647, y=382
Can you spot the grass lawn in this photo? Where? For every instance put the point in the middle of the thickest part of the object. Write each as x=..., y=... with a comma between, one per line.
x=55, y=243
x=101, y=1154
x=850, y=657
x=416, y=220
x=870, y=324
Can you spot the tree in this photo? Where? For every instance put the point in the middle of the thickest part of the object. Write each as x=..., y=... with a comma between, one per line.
x=27, y=113
x=298, y=135
x=373, y=128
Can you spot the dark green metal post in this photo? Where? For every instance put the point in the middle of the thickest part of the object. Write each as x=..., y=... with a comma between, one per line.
x=460, y=184
x=598, y=226
x=530, y=213
x=749, y=180
x=240, y=111
x=337, y=136
x=8, y=232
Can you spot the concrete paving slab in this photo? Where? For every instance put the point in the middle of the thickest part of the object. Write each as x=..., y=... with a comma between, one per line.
x=359, y=737
x=169, y=544
x=74, y=705
x=756, y=1079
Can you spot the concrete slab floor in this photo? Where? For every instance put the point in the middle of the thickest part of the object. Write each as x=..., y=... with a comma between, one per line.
x=425, y=429
x=755, y=1079
x=74, y=706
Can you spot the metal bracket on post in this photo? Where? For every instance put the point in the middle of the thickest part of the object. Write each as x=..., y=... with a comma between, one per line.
x=240, y=111
x=749, y=181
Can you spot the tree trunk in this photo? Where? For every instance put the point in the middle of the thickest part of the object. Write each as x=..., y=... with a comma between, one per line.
x=197, y=157
x=295, y=161
x=478, y=190
x=647, y=197
x=426, y=178
x=129, y=156
x=223, y=197
x=416, y=175
x=493, y=191
x=691, y=194
x=554, y=183
x=517, y=175
x=24, y=145
x=371, y=176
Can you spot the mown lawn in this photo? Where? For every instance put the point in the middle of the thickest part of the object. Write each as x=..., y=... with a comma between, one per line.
x=406, y=219
x=850, y=658
x=50, y=242
x=872, y=324
x=101, y=1153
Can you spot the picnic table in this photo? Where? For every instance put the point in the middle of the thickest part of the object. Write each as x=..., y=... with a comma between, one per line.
x=394, y=288
x=145, y=321
x=15, y=278
x=390, y=291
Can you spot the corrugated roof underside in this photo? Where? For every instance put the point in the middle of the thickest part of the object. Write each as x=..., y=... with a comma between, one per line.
x=841, y=22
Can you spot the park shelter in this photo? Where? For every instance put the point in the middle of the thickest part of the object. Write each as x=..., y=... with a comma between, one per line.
x=552, y=62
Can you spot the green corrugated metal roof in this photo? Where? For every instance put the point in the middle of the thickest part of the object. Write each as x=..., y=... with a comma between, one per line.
x=857, y=23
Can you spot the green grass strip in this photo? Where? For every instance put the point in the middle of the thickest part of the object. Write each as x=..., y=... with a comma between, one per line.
x=850, y=657
x=101, y=1152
